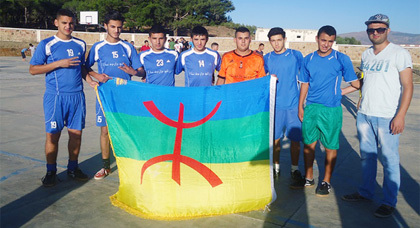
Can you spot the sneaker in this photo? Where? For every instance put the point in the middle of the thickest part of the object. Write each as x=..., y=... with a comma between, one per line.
x=77, y=174
x=276, y=173
x=296, y=175
x=355, y=197
x=298, y=182
x=49, y=179
x=309, y=183
x=324, y=189
x=384, y=211
x=102, y=173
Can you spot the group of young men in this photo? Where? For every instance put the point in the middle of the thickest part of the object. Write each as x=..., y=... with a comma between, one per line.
x=308, y=99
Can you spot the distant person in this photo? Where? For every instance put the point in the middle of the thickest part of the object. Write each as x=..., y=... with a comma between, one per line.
x=145, y=47
x=114, y=56
x=285, y=64
x=260, y=49
x=241, y=64
x=200, y=62
x=322, y=118
x=32, y=49
x=178, y=46
x=23, y=52
x=185, y=45
x=61, y=58
x=172, y=44
x=214, y=46
x=190, y=44
x=159, y=63
x=386, y=96
x=132, y=43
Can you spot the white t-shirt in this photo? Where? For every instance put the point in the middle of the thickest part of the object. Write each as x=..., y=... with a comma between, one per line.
x=381, y=89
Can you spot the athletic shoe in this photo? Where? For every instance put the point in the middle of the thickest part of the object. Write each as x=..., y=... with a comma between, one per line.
x=102, y=173
x=324, y=189
x=77, y=174
x=296, y=175
x=309, y=183
x=355, y=197
x=276, y=173
x=49, y=179
x=384, y=211
x=298, y=182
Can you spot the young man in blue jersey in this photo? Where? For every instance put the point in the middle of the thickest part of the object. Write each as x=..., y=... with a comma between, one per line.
x=61, y=58
x=159, y=63
x=115, y=57
x=285, y=64
x=199, y=63
x=320, y=78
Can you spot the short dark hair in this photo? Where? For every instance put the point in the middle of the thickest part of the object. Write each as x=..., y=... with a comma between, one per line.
x=64, y=12
x=115, y=16
x=327, y=29
x=157, y=29
x=261, y=44
x=199, y=31
x=243, y=30
x=214, y=44
x=276, y=31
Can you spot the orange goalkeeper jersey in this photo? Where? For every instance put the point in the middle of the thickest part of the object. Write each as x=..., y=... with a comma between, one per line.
x=236, y=68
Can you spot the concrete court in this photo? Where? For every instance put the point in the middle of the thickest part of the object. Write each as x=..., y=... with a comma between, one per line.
x=26, y=203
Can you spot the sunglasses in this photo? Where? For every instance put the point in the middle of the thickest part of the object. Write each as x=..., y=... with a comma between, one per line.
x=378, y=30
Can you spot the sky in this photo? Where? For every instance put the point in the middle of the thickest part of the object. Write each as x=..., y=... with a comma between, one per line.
x=345, y=16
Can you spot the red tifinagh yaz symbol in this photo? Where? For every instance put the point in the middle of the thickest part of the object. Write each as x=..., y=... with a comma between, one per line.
x=176, y=157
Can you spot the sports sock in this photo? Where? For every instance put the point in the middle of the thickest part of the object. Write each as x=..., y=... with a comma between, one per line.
x=52, y=167
x=72, y=165
x=106, y=163
x=277, y=167
x=294, y=168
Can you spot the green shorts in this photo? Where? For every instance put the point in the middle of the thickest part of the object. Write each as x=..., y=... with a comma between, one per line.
x=322, y=123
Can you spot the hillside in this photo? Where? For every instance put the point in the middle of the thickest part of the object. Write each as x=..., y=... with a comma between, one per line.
x=394, y=37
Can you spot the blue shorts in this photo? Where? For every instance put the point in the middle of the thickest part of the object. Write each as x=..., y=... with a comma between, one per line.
x=287, y=121
x=100, y=117
x=64, y=110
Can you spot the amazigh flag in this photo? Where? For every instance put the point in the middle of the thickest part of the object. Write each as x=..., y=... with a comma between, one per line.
x=191, y=152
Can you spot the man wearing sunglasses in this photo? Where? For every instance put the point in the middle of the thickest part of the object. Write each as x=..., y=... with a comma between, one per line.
x=380, y=121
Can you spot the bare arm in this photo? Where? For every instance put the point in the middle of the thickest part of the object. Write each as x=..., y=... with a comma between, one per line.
x=303, y=92
x=220, y=81
x=63, y=63
x=406, y=78
x=355, y=85
x=129, y=70
x=100, y=77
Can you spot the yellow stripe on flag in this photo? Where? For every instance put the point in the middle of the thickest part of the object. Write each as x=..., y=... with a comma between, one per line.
x=160, y=197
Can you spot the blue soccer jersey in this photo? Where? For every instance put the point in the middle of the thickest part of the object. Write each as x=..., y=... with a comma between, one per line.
x=159, y=66
x=324, y=75
x=286, y=67
x=61, y=80
x=110, y=56
x=198, y=66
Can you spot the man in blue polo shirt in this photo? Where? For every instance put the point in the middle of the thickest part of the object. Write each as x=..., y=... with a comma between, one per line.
x=114, y=57
x=320, y=78
x=61, y=58
x=199, y=62
x=285, y=64
x=159, y=63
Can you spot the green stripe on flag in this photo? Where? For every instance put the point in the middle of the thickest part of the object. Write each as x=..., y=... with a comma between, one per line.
x=223, y=141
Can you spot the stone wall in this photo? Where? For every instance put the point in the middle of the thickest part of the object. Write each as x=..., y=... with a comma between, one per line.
x=225, y=43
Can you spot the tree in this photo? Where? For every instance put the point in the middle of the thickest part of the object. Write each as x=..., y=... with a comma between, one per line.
x=347, y=40
x=176, y=14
